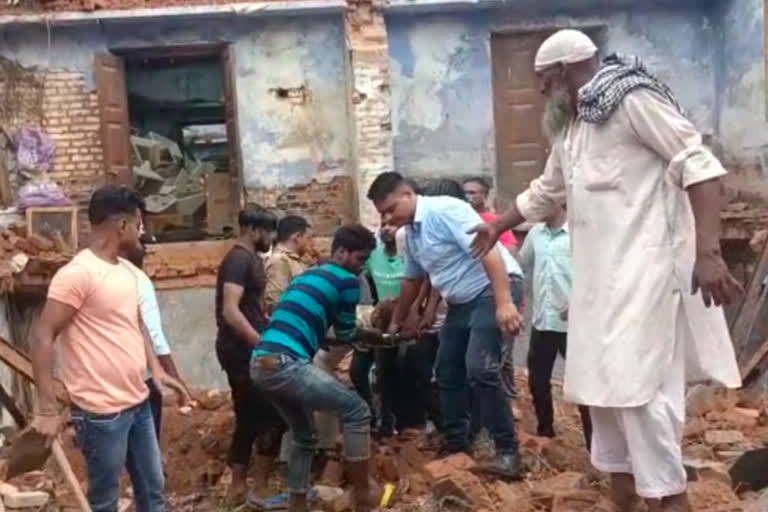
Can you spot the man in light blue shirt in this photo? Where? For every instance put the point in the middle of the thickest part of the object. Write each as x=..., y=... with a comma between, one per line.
x=546, y=258
x=481, y=296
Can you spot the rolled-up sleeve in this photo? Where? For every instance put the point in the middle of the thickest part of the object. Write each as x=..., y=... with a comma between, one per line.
x=660, y=126
x=412, y=269
x=547, y=192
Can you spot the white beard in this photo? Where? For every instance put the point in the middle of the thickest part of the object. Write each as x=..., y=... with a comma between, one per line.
x=558, y=114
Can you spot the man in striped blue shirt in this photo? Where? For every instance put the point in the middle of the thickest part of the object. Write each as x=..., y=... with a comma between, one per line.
x=281, y=366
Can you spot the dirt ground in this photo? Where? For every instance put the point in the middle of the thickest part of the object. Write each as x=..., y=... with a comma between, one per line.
x=559, y=478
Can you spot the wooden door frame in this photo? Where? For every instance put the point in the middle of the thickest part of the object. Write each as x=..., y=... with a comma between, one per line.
x=224, y=52
x=598, y=28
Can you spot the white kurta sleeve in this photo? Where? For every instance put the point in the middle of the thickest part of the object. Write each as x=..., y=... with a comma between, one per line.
x=547, y=192
x=659, y=126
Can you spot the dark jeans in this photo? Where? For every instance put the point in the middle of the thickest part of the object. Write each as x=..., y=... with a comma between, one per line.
x=359, y=374
x=256, y=419
x=156, y=404
x=417, y=399
x=469, y=363
x=298, y=388
x=542, y=353
x=109, y=443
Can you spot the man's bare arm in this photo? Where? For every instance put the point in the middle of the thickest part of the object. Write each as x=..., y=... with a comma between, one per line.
x=711, y=275
x=409, y=291
x=234, y=318
x=55, y=316
x=507, y=315
x=169, y=365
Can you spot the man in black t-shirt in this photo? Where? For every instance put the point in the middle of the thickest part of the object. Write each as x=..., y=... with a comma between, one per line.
x=240, y=319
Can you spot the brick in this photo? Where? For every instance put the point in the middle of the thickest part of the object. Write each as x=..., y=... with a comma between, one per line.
x=512, y=496
x=545, y=490
x=466, y=487
x=575, y=501
x=442, y=468
x=721, y=437
x=26, y=499
x=732, y=418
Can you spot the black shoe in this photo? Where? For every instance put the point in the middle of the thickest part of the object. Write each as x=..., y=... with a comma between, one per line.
x=446, y=451
x=546, y=432
x=506, y=466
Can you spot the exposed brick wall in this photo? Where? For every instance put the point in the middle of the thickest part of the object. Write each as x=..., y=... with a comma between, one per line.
x=71, y=118
x=69, y=114
x=371, y=115
x=325, y=205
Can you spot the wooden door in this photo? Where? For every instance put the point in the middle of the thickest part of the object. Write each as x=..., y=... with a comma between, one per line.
x=115, y=123
x=521, y=147
x=233, y=134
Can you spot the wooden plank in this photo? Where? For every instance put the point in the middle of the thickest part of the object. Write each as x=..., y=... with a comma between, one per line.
x=219, y=202
x=745, y=320
x=113, y=113
x=59, y=456
x=19, y=362
x=233, y=133
x=749, y=365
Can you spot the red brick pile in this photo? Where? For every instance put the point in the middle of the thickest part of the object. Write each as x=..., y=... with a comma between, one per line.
x=43, y=256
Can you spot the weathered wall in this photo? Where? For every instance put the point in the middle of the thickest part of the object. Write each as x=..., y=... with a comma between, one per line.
x=192, y=336
x=290, y=81
x=442, y=105
x=743, y=125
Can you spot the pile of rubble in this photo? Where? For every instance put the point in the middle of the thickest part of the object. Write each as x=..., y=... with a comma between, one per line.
x=723, y=430
x=33, y=255
x=172, y=183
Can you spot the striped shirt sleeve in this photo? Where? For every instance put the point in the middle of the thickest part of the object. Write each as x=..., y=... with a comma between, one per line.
x=346, y=316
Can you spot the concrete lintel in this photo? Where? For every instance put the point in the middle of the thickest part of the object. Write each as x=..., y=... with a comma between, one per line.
x=425, y=6
x=265, y=8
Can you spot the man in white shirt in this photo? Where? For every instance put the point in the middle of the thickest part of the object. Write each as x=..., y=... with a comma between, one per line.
x=643, y=194
x=153, y=324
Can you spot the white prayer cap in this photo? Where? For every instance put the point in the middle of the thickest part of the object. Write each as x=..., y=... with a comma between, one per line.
x=566, y=47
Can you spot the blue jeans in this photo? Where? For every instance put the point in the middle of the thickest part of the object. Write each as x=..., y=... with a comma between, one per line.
x=111, y=442
x=298, y=388
x=468, y=370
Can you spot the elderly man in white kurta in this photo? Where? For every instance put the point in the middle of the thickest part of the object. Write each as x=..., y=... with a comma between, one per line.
x=643, y=210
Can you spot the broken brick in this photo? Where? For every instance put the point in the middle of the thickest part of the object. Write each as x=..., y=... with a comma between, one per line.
x=26, y=499
x=733, y=418
x=442, y=468
x=464, y=486
x=417, y=484
x=411, y=454
x=721, y=437
x=40, y=242
x=512, y=496
x=575, y=501
x=695, y=427
x=546, y=490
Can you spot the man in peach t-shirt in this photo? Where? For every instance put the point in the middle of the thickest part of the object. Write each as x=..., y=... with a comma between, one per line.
x=93, y=311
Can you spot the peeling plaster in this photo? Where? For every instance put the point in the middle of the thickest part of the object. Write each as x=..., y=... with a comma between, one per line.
x=283, y=143
x=442, y=101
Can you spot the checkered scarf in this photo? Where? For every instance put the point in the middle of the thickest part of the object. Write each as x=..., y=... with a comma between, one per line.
x=618, y=76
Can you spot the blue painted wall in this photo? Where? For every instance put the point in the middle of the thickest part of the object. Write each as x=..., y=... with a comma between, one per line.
x=283, y=144
x=440, y=64
x=743, y=129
